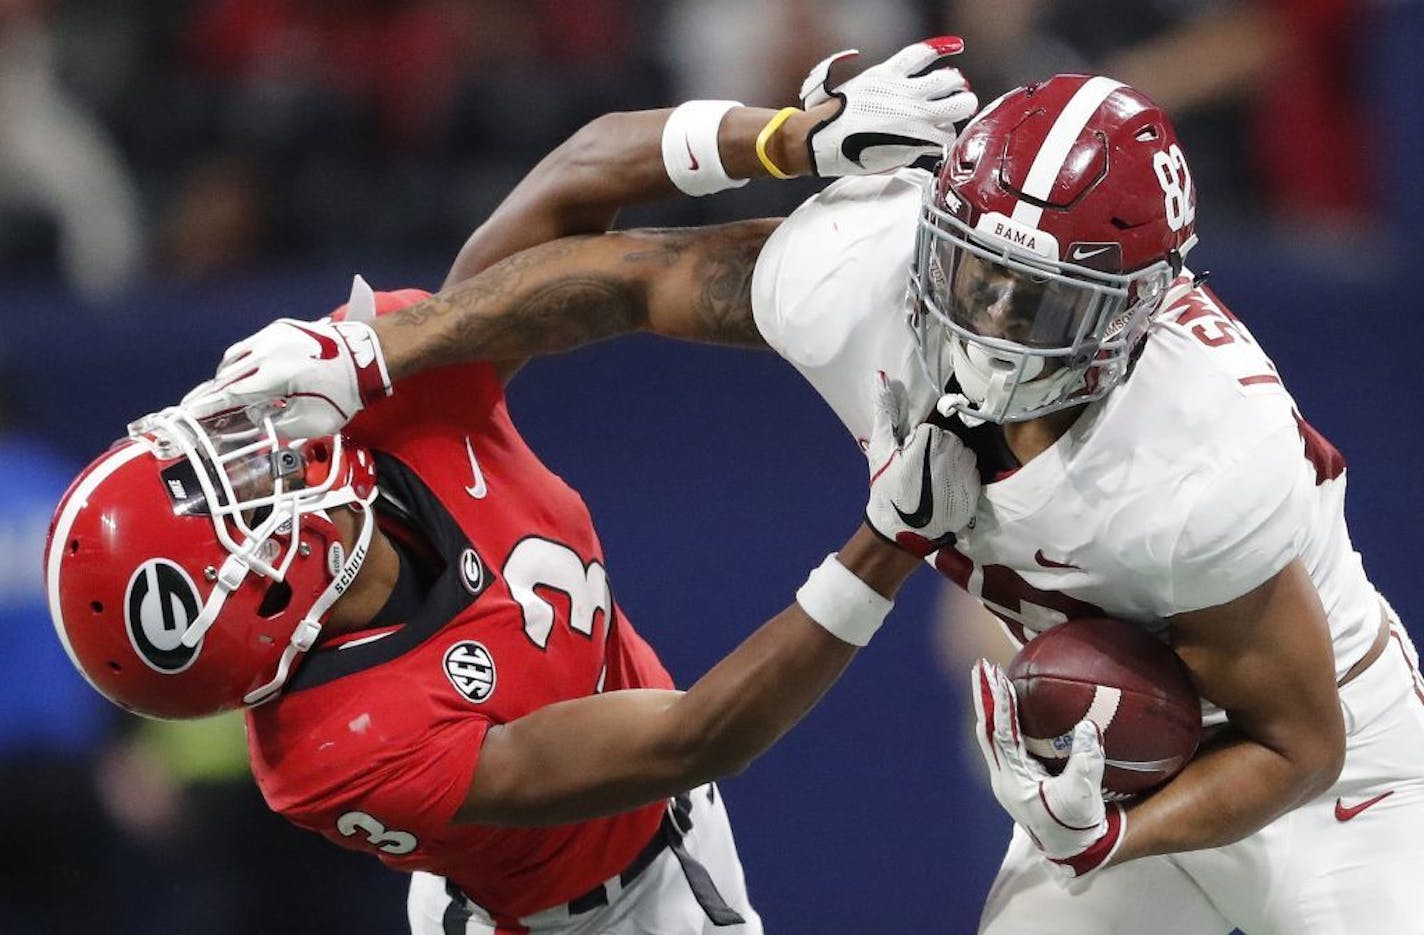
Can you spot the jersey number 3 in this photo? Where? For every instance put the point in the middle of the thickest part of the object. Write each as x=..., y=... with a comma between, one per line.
x=544, y=577
x=376, y=834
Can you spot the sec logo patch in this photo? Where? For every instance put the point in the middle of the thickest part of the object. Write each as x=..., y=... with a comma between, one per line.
x=470, y=668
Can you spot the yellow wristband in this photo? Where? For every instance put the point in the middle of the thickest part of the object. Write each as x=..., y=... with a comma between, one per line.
x=771, y=127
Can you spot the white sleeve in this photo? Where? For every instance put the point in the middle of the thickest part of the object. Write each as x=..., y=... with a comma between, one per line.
x=831, y=283
x=820, y=271
x=1244, y=525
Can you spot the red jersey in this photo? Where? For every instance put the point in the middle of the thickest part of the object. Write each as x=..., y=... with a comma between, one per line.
x=375, y=739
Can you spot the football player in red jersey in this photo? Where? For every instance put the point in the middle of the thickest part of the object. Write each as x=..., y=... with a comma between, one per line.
x=1141, y=457
x=418, y=616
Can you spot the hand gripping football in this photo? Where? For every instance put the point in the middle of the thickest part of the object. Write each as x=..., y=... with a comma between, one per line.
x=1125, y=680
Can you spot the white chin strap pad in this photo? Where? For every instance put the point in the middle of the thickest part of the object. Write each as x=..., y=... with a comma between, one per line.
x=991, y=381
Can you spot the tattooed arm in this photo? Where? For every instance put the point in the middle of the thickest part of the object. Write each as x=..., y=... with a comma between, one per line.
x=684, y=283
x=615, y=160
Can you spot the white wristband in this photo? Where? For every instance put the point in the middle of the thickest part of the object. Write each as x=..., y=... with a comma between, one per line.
x=839, y=601
x=690, y=153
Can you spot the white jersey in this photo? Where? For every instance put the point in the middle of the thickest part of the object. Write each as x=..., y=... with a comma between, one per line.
x=1187, y=486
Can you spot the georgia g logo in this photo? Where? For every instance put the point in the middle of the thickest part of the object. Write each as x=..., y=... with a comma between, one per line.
x=159, y=605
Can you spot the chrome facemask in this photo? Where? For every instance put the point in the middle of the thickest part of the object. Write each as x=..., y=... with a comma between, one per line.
x=1023, y=334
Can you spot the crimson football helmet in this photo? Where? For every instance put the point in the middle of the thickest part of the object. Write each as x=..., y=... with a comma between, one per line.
x=1049, y=235
x=190, y=565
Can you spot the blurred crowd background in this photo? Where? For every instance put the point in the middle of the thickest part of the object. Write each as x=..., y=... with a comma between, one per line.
x=173, y=173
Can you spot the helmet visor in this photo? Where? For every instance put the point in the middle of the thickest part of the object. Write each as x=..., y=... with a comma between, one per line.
x=1025, y=333
x=245, y=469
x=989, y=299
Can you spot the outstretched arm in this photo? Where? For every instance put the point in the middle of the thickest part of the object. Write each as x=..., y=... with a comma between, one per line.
x=503, y=306
x=617, y=160
x=884, y=118
x=684, y=283
x=600, y=755
x=607, y=753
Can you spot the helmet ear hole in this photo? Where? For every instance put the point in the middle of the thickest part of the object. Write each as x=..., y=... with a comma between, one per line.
x=278, y=596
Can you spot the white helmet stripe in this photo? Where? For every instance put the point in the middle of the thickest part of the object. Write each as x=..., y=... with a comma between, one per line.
x=1054, y=151
x=58, y=541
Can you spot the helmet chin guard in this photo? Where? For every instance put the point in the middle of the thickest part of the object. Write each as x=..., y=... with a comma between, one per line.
x=191, y=565
x=989, y=384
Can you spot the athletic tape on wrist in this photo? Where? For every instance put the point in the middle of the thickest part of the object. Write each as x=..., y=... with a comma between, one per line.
x=843, y=604
x=690, y=154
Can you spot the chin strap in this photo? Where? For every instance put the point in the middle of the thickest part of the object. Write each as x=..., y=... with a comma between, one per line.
x=987, y=392
x=307, y=632
x=230, y=575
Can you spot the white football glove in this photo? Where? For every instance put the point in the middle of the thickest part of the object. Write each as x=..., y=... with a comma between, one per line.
x=891, y=114
x=1065, y=814
x=924, y=484
x=310, y=377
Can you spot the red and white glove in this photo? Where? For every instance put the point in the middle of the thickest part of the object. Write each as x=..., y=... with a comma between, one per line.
x=1065, y=814
x=310, y=377
x=892, y=113
x=924, y=483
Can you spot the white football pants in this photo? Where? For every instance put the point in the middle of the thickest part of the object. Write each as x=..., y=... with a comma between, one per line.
x=1313, y=871
x=663, y=900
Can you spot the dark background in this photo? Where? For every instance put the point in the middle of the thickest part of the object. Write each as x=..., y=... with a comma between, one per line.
x=716, y=477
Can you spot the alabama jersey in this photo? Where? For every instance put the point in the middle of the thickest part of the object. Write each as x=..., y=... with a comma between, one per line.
x=1188, y=486
x=374, y=742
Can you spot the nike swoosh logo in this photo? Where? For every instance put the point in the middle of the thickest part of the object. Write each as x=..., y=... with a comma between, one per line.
x=479, y=489
x=1081, y=254
x=1345, y=812
x=1145, y=766
x=327, y=346
x=1050, y=563
x=686, y=141
x=853, y=146
x=920, y=518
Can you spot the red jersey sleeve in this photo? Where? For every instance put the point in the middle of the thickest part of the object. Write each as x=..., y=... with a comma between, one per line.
x=381, y=765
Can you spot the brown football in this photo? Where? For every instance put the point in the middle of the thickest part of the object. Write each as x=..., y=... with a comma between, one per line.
x=1127, y=681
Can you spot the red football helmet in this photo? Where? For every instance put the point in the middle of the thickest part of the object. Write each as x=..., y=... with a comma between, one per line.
x=192, y=563
x=1049, y=236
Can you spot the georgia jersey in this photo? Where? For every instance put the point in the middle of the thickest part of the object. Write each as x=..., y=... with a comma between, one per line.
x=374, y=741
x=1188, y=486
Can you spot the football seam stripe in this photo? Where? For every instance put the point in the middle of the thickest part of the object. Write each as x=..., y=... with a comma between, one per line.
x=1101, y=712
x=1104, y=707
x=1163, y=702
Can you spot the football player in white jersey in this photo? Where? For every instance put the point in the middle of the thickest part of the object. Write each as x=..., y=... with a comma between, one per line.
x=1140, y=457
